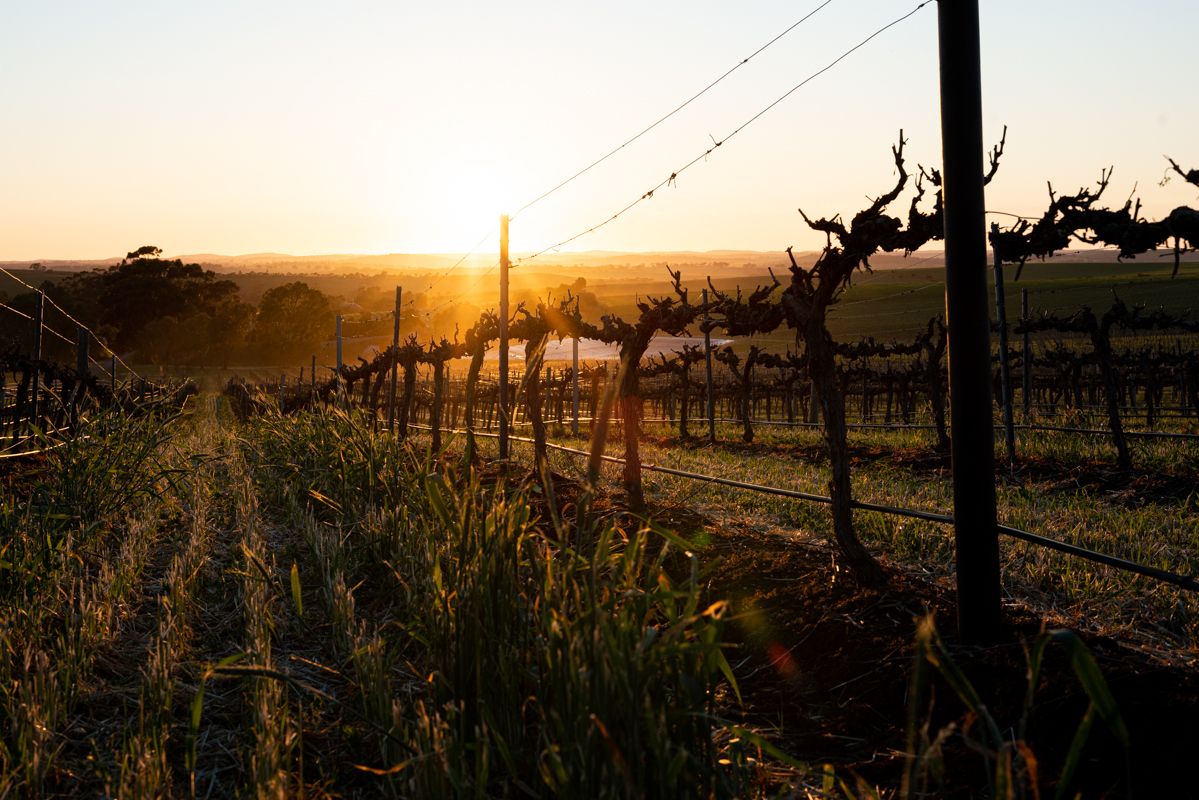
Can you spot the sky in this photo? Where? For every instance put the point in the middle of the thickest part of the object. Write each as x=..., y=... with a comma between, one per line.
x=377, y=127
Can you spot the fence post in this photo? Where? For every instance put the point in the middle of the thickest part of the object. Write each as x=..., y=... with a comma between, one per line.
x=81, y=374
x=39, y=311
x=1005, y=374
x=81, y=357
x=708, y=374
x=312, y=378
x=1026, y=357
x=574, y=390
x=976, y=537
x=112, y=375
x=337, y=374
x=395, y=363
x=502, y=399
x=282, y=386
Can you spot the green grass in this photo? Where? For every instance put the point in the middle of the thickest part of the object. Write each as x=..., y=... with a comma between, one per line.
x=1162, y=534
x=521, y=649
x=897, y=303
x=300, y=605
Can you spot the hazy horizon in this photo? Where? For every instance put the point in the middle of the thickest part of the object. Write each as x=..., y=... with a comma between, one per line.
x=400, y=129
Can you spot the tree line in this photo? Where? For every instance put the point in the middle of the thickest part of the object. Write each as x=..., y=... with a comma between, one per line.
x=162, y=311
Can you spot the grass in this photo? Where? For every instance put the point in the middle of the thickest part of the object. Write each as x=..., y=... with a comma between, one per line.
x=522, y=650
x=1056, y=502
x=299, y=606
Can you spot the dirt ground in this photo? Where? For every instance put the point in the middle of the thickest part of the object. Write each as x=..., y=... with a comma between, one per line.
x=825, y=666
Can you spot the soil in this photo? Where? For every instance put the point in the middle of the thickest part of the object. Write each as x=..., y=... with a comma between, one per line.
x=825, y=668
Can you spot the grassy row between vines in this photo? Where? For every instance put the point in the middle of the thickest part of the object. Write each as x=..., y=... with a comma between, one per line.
x=1063, y=489
x=303, y=606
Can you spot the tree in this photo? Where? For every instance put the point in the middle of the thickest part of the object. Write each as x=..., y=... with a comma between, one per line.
x=292, y=320
x=146, y=251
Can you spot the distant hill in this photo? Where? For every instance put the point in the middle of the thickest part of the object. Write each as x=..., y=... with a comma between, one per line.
x=614, y=267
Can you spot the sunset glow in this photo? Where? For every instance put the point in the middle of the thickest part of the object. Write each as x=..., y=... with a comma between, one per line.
x=409, y=129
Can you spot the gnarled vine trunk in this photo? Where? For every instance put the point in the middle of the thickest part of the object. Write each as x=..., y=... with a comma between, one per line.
x=823, y=370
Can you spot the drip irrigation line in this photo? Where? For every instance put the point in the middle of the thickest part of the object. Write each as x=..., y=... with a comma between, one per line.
x=1101, y=432
x=1187, y=582
x=670, y=114
x=926, y=427
x=670, y=179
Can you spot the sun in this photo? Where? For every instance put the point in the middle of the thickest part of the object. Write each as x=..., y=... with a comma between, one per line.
x=470, y=205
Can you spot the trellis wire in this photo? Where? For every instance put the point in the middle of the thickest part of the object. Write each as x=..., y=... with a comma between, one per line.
x=1186, y=582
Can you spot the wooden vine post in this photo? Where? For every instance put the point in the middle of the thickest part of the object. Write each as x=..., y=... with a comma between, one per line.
x=1025, y=359
x=337, y=373
x=82, y=373
x=1005, y=374
x=395, y=364
x=502, y=399
x=933, y=343
x=574, y=389
x=39, y=311
x=707, y=329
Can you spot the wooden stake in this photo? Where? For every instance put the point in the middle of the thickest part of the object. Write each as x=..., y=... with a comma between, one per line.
x=574, y=424
x=1005, y=374
x=503, y=368
x=39, y=311
x=337, y=375
x=395, y=364
x=708, y=374
x=1026, y=358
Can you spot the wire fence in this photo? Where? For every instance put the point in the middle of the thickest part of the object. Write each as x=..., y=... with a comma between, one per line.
x=1187, y=582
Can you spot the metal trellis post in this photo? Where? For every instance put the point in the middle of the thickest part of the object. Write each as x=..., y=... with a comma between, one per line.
x=503, y=366
x=39, y=311
x=1005, y=373
x=574, y=374
x=976, y=536
x=708, y=374
x=1026, y=358
x=337, y=375
x=395, y=364
x=82, y=372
